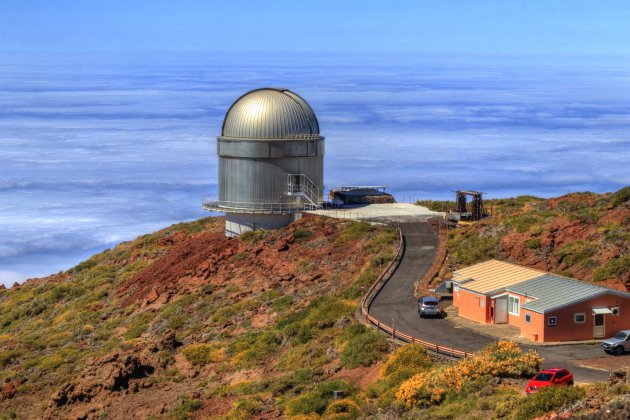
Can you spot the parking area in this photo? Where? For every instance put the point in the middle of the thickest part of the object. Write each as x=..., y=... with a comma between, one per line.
x=395, y=212
x=395, y=305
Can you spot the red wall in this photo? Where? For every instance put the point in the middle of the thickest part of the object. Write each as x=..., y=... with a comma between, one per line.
x=538, y=329
x=468, y=304
x=566, y=329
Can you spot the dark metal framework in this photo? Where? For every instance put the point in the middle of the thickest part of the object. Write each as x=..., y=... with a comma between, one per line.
x=470, y=211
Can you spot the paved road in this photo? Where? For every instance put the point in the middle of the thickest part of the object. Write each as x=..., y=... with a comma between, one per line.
x=396, y=305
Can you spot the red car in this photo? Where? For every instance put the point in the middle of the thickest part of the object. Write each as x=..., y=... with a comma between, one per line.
x=549, y=377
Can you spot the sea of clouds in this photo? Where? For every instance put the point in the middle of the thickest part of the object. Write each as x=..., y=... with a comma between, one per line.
x=99, y=152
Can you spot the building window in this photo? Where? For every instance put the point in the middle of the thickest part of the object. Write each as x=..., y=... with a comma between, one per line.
x=579, y=318
x=482, y=302
x=552, y=321
x=514, y=304
x=528, y=318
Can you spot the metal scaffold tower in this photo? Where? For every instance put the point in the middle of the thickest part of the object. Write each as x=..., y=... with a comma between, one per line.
x=472, y=211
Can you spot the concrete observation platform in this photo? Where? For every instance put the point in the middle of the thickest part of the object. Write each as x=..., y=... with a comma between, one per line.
x=374, y=212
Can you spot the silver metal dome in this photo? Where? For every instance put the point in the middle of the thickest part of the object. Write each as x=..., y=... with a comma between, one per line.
x=270, y=113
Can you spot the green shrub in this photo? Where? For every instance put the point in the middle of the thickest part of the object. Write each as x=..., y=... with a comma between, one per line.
x=138, y=325
x=282, y=303
x=470, y=248
x=575, y=252
x=524, y=222
x=507, y=406
x=363, y=282
x=381, y=260
x=547, y=399
x=306, y=265
x=309, y=356
x=301, y=234
x=252, y=236
x=293, y=382
x=565, y=273
x=253, y=347
x=613, y=268
x=239, y=257
x=245, y=408
x=321, y=314
x=85, y=265
x=587, y=216
x=363, y=349
x=622, y=196
x=342, y=409
x=197, y=225
x=201, y=354
x=9, y=356
x=533, y=243
x=183, y=411
x=353, y=231
x=317, y=399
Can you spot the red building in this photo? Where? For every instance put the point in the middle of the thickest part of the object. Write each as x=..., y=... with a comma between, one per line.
x=546, y=307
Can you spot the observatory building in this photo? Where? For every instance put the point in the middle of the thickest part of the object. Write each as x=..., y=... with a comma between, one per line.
x=271, y=161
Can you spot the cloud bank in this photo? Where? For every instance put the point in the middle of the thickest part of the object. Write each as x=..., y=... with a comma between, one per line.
x=94, y=155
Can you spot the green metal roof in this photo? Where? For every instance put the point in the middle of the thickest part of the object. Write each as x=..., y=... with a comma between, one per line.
x=552, y=292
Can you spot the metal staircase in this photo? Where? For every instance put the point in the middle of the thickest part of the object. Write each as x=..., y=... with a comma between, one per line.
x=309, y=193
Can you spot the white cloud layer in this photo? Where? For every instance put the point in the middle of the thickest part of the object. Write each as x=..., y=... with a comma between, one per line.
x=98, y=154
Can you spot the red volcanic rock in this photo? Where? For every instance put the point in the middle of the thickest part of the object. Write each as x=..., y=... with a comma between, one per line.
x=271, y=262
x=8, y=390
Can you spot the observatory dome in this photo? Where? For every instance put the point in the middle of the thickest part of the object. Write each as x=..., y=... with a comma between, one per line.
x=270, y=113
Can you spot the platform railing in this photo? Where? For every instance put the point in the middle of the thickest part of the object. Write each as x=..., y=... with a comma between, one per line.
x=251, y=206
x=302, y=186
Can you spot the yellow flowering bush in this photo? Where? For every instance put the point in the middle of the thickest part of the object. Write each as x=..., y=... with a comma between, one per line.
x=342, y=409
x=504, y=358
x=407, y=360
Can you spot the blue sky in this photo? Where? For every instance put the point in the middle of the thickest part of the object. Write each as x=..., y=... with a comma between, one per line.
x=109, y=110
x=565, y=27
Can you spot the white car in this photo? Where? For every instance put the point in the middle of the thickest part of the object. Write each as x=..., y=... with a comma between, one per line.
x=429, y=306
x=619, y=344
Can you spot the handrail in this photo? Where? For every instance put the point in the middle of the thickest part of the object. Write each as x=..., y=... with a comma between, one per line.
x=367, y=299
x=251, y=206
x=306, y=189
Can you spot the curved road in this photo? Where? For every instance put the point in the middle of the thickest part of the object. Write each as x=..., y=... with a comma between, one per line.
x=395, y=305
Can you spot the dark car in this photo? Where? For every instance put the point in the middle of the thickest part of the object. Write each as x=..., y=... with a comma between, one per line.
x=429, y=306
x=549, y=377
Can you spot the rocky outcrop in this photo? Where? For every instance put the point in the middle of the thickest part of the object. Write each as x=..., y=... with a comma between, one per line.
x=109, y=373
x=117, y=372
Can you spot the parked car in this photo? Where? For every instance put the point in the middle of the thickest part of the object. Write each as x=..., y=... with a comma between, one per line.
x=619, y=344
x=429, y=306
x=549, y=377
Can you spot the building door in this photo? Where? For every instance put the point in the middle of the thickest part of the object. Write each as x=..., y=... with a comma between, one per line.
x=501, y=310
x=599, y=329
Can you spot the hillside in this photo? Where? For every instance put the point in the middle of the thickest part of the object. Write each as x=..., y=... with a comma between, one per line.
x=580, y=235
x=186, y=320
x=185, y=323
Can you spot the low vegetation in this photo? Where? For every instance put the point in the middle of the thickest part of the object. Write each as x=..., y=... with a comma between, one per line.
x=580, y=235
x=264, y=325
